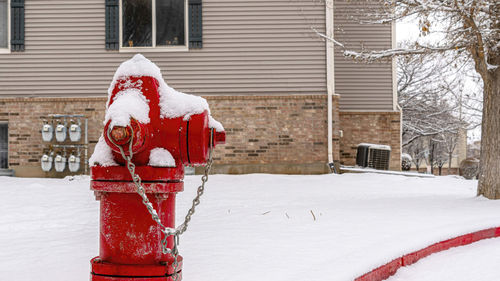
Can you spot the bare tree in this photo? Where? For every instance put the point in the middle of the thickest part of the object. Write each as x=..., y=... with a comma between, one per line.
x=417, y=151
x=435, y=154
x=450, y=142
x=424, y=98
x=440, y=154
x=467, y=28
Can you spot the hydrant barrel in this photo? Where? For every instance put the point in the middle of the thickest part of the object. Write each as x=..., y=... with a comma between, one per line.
x=130, y=241
x=136, y=238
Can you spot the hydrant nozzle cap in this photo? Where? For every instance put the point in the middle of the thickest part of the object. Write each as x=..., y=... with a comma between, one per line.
x=220, y=137
x=120, y=134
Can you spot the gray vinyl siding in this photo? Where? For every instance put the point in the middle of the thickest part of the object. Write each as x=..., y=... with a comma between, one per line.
x=362, y=87
x=249, y=47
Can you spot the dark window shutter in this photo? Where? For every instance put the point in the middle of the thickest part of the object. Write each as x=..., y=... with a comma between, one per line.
x=4, y=146
x=112, y=24
x=195, y=24
x=17, y=25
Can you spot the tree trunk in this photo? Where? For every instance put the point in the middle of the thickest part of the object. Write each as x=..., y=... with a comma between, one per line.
x=431, y=156
x=450, y=156
x=489, y=171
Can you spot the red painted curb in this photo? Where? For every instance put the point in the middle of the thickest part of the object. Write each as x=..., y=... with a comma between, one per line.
x=387, y=270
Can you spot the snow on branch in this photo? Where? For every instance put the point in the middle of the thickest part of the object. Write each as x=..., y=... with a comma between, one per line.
x=445, y=25
x=378, y=55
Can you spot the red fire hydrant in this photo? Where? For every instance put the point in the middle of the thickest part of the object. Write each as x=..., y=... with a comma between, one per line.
x=146, y=142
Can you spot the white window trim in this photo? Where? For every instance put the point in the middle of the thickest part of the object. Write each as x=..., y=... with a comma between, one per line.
x=153, y=48
x=7, y=50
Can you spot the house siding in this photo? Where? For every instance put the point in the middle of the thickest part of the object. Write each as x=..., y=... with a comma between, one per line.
x=249, y=48
x=363, y=87
x=260, y=61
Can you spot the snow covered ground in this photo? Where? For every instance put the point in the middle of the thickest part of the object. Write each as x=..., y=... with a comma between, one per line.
x=250, y=226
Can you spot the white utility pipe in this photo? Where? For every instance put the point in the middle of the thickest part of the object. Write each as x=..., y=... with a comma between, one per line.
x=330, y=76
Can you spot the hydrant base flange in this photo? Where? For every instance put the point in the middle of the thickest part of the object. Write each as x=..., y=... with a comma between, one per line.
x=95, y=277
x=102, y=269
x=114, y=278
x=129, y=187
x=147, y=173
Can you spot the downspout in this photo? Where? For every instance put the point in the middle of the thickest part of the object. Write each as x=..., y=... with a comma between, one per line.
x=395, y=101
x=330, y=78
x=395, y=105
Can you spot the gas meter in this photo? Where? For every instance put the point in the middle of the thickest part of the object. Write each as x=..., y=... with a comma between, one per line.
x=46, y=162
x=73, y=163
x=60, y=132
x=75, y=132
x=47, y=132
x=60, y=163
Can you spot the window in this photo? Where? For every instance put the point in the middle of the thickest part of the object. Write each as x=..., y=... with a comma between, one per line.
x=4, y=24
x=4, y=139
x=153, y=23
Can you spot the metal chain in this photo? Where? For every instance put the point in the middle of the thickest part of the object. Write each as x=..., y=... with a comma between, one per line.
x=167, y=231
x=196, y=201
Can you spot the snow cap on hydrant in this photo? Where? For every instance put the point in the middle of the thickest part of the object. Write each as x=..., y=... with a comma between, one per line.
x=151, y=131
x=139, y=98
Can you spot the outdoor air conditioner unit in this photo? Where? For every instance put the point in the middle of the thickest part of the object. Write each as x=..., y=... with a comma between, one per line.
x=374, y=156
x=362, y=155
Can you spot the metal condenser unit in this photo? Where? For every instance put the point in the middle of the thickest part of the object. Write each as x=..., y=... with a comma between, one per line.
x=376, y=156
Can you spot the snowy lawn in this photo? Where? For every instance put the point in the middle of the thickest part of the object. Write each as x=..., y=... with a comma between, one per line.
x=250, y=226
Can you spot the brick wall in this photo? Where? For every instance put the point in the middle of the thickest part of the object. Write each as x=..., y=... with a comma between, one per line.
x=370, y=127
x=276, y=134
x=279, y=134
x=25, y=117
